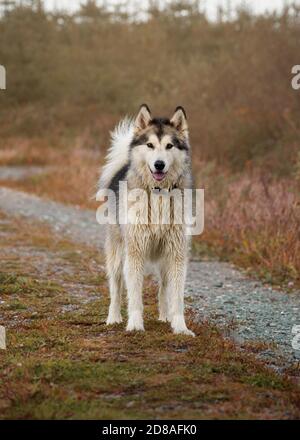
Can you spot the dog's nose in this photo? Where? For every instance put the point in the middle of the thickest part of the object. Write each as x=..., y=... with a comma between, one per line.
x=159, y=165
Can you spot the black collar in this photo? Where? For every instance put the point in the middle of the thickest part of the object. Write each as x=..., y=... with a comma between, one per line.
x=158, y=190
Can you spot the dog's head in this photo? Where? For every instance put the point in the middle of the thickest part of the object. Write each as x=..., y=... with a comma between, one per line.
x=160, y=147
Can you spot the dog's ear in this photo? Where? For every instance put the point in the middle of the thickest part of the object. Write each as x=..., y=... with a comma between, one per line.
x=143, y=118
x=179, y=121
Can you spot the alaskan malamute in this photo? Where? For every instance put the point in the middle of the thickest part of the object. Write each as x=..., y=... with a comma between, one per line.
x=151, y=154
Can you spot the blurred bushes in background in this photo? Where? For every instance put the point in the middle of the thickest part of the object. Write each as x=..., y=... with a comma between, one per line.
x=71, y=77
x=68, y=73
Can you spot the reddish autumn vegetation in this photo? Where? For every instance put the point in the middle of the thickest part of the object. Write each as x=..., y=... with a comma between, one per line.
x=63, y=362
x=255, y=223
x=72, y=77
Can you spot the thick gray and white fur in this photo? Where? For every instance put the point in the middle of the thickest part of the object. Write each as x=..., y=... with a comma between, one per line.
x=150, y=154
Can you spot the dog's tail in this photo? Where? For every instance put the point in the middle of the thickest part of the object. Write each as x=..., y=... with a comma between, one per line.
x=118, y=153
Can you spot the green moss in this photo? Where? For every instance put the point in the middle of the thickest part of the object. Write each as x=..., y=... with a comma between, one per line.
x=68, y=364
x=17, y=305
x=11, y=283
x=266, y=380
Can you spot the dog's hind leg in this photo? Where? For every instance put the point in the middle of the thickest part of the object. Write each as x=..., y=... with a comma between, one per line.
x=116, y=281
x=176, y=274
x=134, y=276
x=116, y=287
x=162, y=295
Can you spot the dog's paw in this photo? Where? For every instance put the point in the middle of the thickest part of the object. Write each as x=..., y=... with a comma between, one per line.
x=113, y=319
x=179, y=326
x=133, y=326
x=135, y=322
x=184, y=331
x=163, y=318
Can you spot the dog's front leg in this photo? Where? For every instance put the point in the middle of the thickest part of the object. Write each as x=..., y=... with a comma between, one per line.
x=177, y=275
x=134, y=275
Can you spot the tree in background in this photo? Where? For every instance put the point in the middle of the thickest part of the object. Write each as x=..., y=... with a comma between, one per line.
x=242, y=108
x=91, y=11
x=6, y=6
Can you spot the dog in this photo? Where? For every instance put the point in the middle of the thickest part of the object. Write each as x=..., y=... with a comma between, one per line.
x=154, y=155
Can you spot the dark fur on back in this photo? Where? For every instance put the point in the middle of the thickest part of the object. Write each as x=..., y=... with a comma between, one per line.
x=120, y=176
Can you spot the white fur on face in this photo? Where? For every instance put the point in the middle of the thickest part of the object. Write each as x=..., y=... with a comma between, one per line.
x=159, y=153
x=173, y=157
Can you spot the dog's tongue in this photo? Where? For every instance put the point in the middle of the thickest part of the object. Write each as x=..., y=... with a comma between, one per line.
x=158, y=176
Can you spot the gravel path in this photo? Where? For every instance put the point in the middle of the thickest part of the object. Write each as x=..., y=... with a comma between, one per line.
x=21, y=172
x=245, y=309
x=75, y=223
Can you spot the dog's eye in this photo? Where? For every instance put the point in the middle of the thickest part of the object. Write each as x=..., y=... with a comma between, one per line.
x=149, y=145
x=169, y=146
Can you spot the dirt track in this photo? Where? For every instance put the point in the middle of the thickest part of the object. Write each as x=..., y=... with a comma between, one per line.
x=245, y=309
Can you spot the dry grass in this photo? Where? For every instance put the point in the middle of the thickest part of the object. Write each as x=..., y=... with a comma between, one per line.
x=63, y=362
x=254, y=221
x=22, y=151
x=251, y=220
x=74, y=77
x=71, y=179
x=243, y=114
